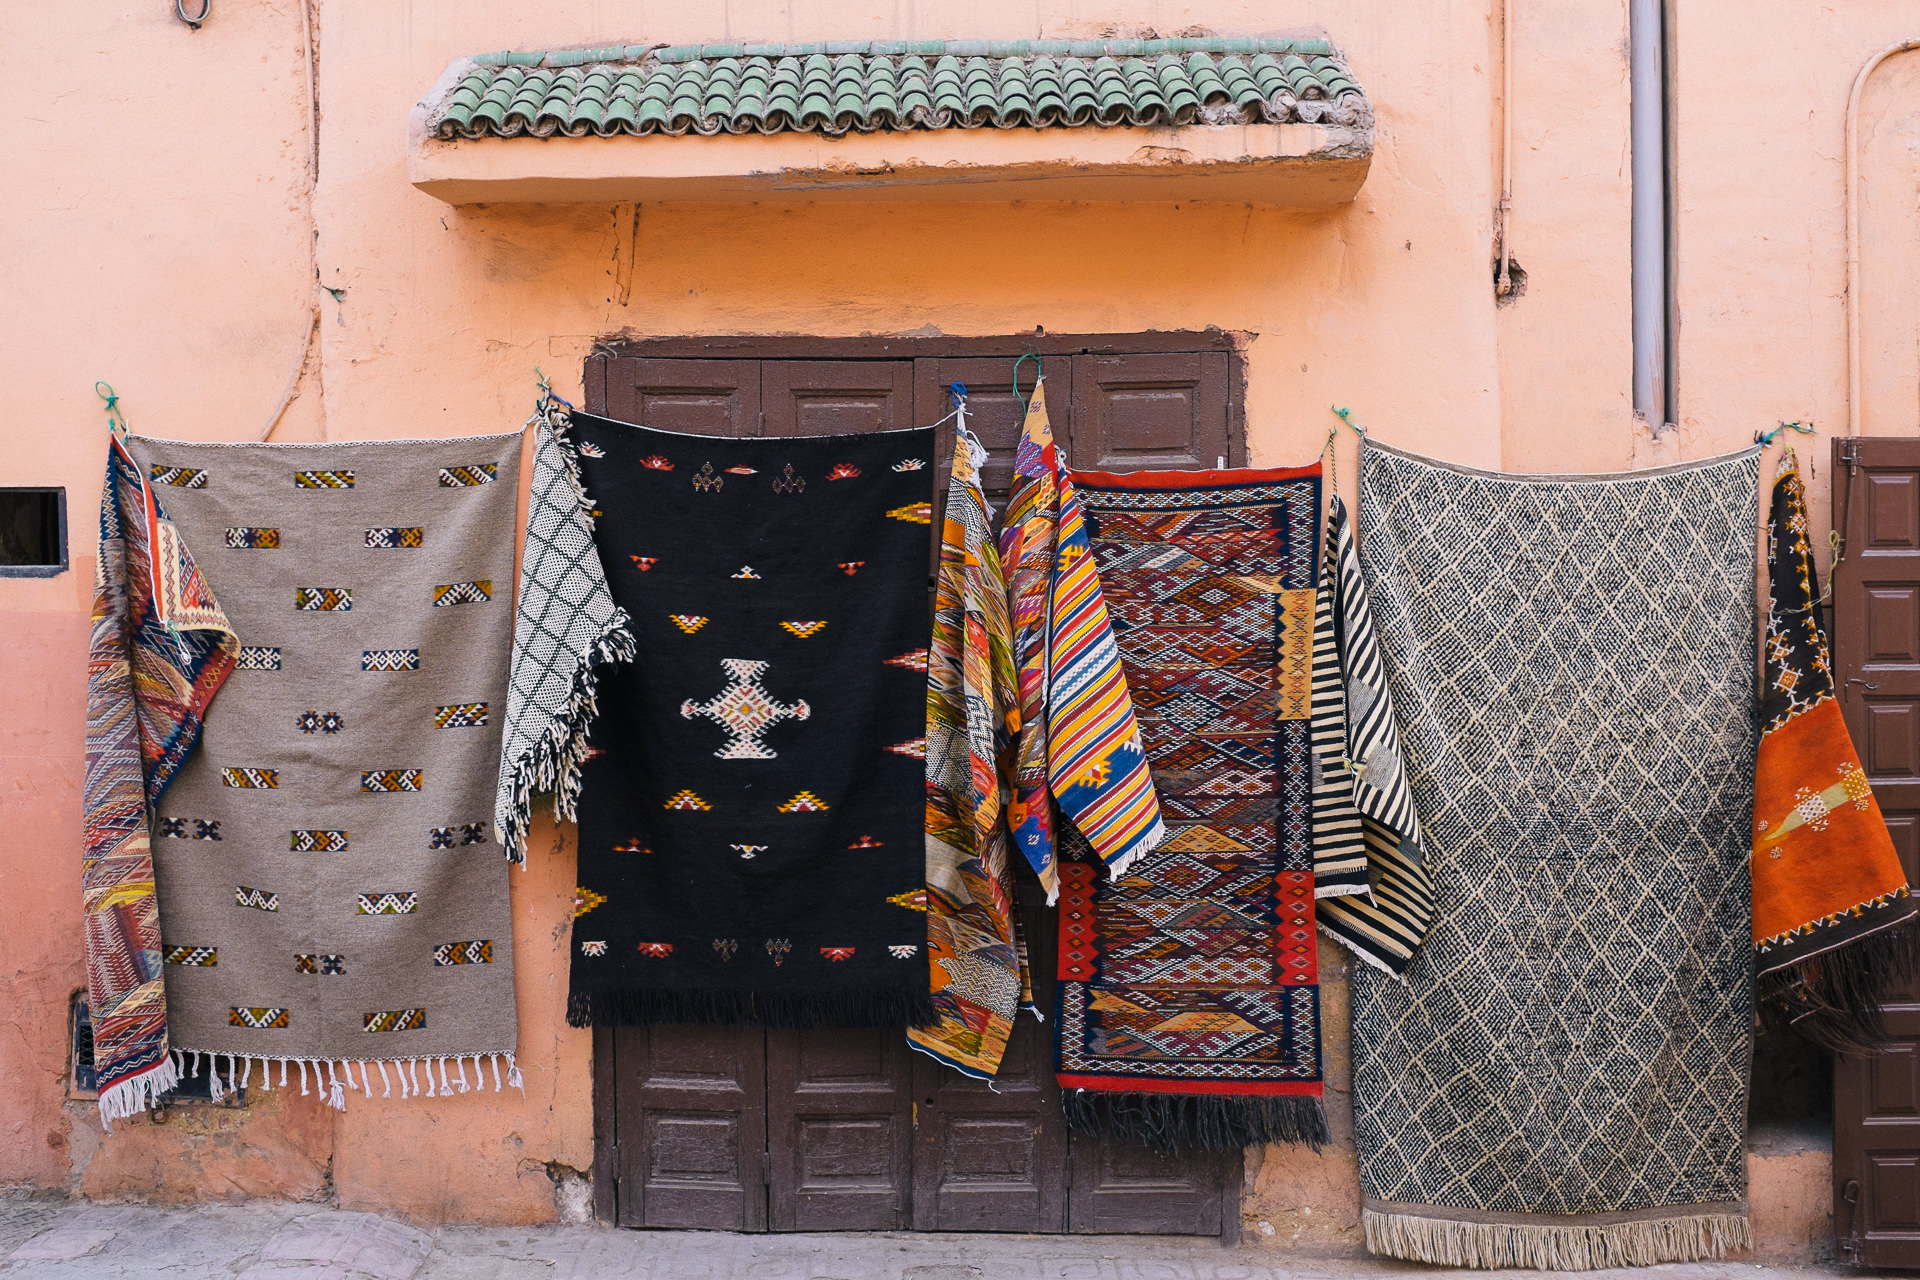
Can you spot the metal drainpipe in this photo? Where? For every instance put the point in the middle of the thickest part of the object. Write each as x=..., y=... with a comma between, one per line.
x=1647, y=80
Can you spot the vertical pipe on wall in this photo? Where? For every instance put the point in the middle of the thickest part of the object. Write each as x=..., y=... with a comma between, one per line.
x=1648, y=128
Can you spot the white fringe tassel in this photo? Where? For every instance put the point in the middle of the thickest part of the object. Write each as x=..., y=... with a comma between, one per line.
x=332, y=1078
x=137, y=1093
x=1685, y=1237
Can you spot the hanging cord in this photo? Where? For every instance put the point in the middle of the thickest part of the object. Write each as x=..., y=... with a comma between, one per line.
x=1040, y=374
x=180, y=12
x=1765, y=438
x=1346, y=416
x=116, y=420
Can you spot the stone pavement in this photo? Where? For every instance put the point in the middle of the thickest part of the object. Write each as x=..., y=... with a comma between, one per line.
x=67, y=1240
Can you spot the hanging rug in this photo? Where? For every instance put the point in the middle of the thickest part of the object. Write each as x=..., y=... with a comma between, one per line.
x=1829, y=893
x=159, y=652
x=565, y=628
x=334, y=899
x=751, y=814
x=1189, y=1011
x=979, y=973
x=1561, y=1080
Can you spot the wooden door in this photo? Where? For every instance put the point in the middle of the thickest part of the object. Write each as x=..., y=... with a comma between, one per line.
x=839, y=1129
x=995, y=1159
x=684, y=1143
x=824, y=1130
x=1876, y=633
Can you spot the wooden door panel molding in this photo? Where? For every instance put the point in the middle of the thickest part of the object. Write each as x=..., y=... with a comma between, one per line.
x=700, y=397
x=1122, y=1188
x=835, y=397
x=839, y=1124
x=1154, y=412
x=1893, y=511
x=690, y=1111
x=1876, y=643
x=940, y=346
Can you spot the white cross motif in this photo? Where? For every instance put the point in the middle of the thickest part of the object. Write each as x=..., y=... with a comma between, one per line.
x=745, y=710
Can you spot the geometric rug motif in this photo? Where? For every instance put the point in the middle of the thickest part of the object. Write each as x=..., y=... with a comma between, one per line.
x=1572, y=659
x=1195, y=973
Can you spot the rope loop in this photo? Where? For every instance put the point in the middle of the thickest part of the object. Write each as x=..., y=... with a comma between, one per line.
x=116, y=420
x=1040, y=372
x=1346, y=416
x=180, y=11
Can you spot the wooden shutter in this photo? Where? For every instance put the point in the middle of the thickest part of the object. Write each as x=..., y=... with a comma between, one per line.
x=1876, y=633
x=839, y=1129
x=1148, y=412
x=690, y=1126
x=701, y=397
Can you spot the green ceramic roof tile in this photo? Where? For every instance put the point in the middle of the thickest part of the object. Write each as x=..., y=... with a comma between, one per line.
x=838, y=87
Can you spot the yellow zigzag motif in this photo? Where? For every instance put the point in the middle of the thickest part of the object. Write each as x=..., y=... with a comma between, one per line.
x=805, y=802
x=687, y=800
x=687, y=622
x=803, y=629
x=916, y=512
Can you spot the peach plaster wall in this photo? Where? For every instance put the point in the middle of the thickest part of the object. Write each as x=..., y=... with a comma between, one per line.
x=163, y=243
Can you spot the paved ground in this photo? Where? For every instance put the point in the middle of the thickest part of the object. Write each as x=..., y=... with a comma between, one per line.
x=59, y=1240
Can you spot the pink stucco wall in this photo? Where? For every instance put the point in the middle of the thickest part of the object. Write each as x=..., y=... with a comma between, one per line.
x=161, y=234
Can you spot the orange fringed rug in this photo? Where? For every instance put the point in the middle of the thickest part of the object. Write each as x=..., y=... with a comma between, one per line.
x=1828, y=887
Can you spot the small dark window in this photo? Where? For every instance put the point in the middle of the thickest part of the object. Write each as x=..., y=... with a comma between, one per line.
x=194, y=1086
x=33, y=532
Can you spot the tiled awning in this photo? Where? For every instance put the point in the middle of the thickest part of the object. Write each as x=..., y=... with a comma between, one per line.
x=835, y=89
x=1276, y=121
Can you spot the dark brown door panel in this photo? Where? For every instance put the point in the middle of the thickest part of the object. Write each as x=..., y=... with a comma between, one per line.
x=692, y=1126
x=1134, y=413
x=701, y=397
x=1123, y=1188
x=840, y=1121
x=836, y=397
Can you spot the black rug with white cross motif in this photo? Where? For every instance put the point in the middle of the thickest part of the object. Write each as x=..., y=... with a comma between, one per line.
x=752, y=818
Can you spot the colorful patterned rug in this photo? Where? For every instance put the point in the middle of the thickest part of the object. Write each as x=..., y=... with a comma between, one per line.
x=160, y=650
x=1079, y=748
x=334, y=900
x=1376, y=898
x=1828, y=887
x=565, y=627
x=1561, y=1081
x=1189, y=1010
x=979, y=971
x=751, y=823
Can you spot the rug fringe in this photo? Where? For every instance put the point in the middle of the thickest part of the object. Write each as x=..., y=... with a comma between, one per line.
x=138, y=1093
x=333, y=1078
x=1834, y=999
x=1175, y=1122
x=785, y=1009
x=552, y=767
x=1685, y=1237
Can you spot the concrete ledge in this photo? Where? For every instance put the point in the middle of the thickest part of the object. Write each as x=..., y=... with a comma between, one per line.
x=1308, y=166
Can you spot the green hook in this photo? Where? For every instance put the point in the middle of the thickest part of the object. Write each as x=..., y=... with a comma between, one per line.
x=1346, y=416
